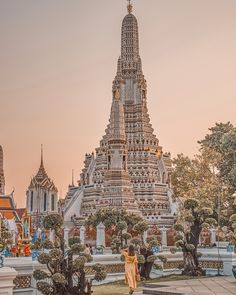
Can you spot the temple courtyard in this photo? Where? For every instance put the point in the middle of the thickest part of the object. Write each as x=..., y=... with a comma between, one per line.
x=222, y=285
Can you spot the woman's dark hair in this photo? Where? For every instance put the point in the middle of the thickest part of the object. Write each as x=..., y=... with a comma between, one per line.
x=131, y=250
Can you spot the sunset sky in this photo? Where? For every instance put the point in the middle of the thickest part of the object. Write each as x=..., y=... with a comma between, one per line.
x=57, y=62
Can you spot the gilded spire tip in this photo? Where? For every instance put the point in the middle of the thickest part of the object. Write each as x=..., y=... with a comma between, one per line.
x=72, y=183
x=130, y=7
x=41, y=155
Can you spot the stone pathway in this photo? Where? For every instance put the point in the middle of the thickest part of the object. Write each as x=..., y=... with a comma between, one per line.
x=206, y=286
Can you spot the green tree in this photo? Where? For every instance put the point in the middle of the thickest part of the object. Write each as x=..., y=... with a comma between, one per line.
x=195, y=214
x=66, y=274
x=119, y=220
x=140, y=228
x=110, y=217
x=210, y=180
x=222, y=140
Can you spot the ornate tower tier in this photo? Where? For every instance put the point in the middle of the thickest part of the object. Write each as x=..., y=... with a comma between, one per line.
x=129, y=168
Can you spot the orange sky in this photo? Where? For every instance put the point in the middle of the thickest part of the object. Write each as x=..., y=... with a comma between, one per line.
x=57, y=62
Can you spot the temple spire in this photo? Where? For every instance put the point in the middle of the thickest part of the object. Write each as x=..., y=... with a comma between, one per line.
x=72, y=180
x=129, y=7
x=41, y=163
x=42, y=174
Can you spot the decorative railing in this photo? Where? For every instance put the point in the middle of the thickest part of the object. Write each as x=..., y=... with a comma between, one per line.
x=22, y=282
x=205, y=264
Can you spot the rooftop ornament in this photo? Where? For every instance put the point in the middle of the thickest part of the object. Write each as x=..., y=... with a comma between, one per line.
x=129, y=7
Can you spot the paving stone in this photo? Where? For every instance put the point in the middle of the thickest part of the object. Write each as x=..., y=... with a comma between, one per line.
x=206, y=286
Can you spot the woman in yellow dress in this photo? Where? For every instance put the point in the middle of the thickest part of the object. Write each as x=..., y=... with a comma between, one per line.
x=131, y=268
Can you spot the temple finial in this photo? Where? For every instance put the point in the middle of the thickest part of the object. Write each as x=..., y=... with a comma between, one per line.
x=72, y=183
x=41, y=164
x=129, y=7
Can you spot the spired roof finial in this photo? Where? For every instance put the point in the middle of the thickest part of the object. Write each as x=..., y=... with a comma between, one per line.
x=41, y=164
x=72, y=183
x=129, y=7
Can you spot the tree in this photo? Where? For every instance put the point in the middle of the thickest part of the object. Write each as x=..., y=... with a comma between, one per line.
x=116, y=221
x=140, y=228
x=121, y=226
x=65, y=275
x=222, y=140
x=110, y=218
x=206, y=181
x=195, y=215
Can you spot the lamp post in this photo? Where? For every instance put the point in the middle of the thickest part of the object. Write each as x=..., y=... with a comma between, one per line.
x=218, y=234
x=218, y=231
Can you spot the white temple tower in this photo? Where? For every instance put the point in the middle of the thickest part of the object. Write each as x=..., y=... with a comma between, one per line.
x=129, y=148
x=41, y=196
x=118, y=190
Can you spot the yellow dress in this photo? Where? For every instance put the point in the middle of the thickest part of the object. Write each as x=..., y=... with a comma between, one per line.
x=130, y=270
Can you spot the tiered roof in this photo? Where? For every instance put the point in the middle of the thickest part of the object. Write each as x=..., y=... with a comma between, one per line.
x=8, y=207
x=41, y=179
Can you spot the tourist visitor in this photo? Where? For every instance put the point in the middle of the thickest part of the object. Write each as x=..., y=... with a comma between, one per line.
x=131, y=268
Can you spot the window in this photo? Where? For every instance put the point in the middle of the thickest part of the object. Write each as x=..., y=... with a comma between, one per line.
x=45, y=202
x=52, y=203
x=31, y=201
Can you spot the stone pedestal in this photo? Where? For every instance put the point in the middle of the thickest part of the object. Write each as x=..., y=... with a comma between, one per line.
x=164, y=237
x=7, y=275
x=82, y=234
x=100, y=241
x=213, y=236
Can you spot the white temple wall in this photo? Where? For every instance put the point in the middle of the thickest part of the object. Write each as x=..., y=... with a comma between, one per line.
x=74, y=207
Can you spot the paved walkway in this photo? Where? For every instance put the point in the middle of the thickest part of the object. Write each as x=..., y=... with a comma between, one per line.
x=206, y=286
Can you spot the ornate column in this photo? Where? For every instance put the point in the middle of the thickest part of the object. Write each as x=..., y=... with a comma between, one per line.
x=145, y=236
x=66, y=236
x=100, y=241
x=164, y=237
x=82, y=234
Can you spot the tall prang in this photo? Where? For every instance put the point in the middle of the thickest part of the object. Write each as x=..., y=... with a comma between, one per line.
x=2, y=177
x=117, y=188
x=143, y=180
